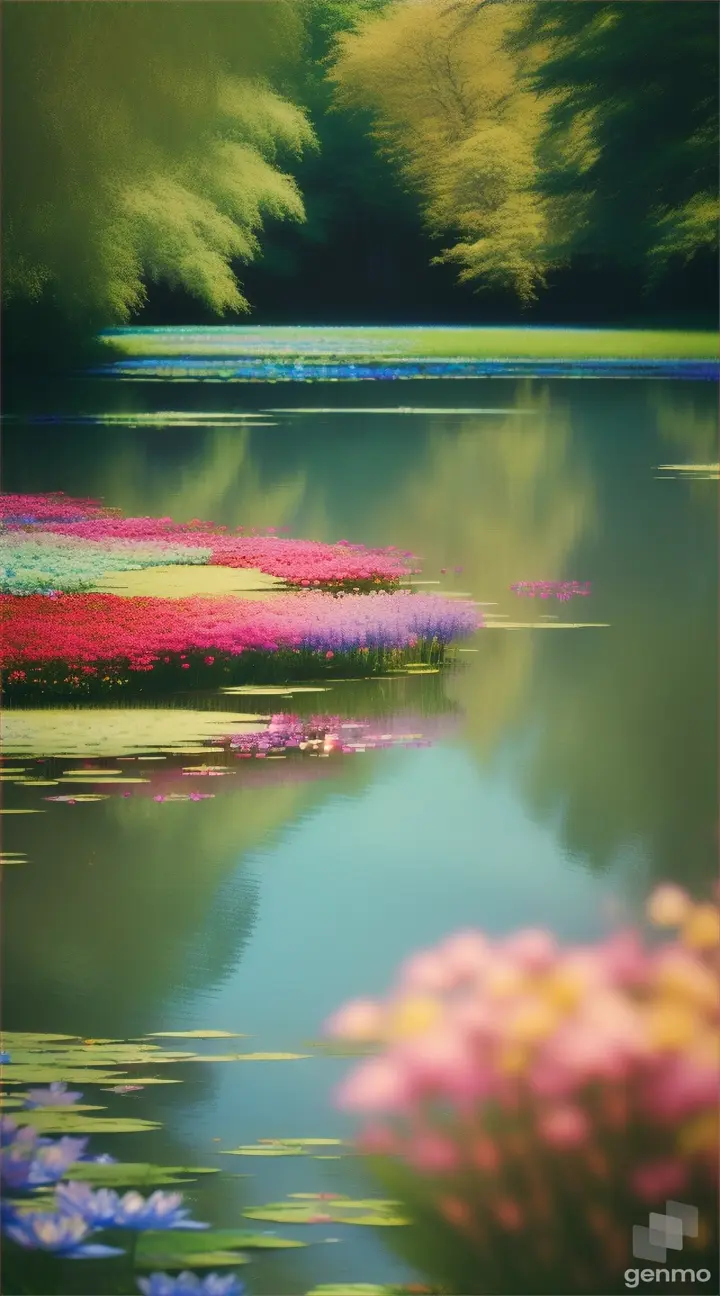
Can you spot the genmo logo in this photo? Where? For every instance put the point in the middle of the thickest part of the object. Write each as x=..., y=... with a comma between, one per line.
x=635, y=1276
x=665, y=1233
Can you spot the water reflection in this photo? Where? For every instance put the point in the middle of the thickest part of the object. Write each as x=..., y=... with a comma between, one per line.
x=576, y=765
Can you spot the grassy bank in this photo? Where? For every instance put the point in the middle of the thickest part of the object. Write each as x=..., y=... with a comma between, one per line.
x=33, y=684
x=439, y=343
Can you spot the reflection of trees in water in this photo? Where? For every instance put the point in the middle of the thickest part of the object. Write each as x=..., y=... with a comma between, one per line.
x=507, y=499
x=117, y=907
x=626, y=717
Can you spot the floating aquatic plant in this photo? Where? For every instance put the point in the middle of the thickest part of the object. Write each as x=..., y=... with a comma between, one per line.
x=188, y=1284
x=58, y=1233
x=105, y=1208
x=57, y=1095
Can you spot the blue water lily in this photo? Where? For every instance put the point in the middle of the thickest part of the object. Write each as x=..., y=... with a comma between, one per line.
x=188, y=1284
x=58, y=1095
x=31, y=1162
x=59, y=1233
x=107, y=1209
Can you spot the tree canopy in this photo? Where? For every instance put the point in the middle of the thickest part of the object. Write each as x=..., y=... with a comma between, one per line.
x=452, y=109
x=144, y=149
x=346, y=146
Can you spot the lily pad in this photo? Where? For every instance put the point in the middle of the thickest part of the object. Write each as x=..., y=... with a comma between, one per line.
x=319, y=1209
x=248, y=1057
x=197, y=1034
x=178, y=1250
x=89, y=773
x=367, y=1289
x=143, y=1081
x=99, y=778
x=282, y=1147
x=116, y=1173
x=40, y=1075
x=32, y=1037
x=65, y=1121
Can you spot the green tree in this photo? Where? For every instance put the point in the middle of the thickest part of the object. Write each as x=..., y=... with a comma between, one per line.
x=138, y=149
x=630, y=143
x=452, y=109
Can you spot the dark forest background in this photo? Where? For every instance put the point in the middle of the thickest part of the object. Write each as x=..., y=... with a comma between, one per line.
x=309, y=162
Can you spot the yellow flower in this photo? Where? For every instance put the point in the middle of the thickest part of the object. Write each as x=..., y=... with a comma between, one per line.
x=701, y=929
x=686, y=977
x=414, y=1017
x=700, y=1134
x=513, y=1058
x=671, y=1027
x=503, y=981
x=564, y=990
x=668, y=906
x=532, y=1022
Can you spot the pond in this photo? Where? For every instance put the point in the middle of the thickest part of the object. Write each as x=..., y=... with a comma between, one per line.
x=563, y=761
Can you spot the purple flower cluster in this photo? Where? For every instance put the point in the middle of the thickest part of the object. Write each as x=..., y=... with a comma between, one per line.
x=188, y=1284
x=563, y=590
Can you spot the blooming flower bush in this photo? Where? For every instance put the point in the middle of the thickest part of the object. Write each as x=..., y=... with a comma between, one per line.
x=31, y=564
x=86, y=629
x=46, y=519
x=58, y=636
x=30, y=510
x=530, y=1104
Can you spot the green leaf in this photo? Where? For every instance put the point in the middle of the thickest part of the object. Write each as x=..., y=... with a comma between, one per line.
x=282, y=1147
x=133, y=1173
x=316, y=1209
x=12, y=1074
x=95, y=1056
x=196, y=1034
x=64, y=1121
x=180, y=1250
x=10, y=1038
x=248, y=1057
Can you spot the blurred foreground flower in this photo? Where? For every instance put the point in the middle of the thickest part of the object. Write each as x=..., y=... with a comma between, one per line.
x=58, y=1095
x=529, y=1104
x=188, y=1284
x=27, y=1161
x=107, y=1209
x=61, y=1234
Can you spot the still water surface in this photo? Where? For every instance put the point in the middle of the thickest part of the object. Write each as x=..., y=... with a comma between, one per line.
x=566, y=768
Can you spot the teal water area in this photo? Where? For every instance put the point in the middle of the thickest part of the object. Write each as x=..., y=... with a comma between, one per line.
x=569, y=757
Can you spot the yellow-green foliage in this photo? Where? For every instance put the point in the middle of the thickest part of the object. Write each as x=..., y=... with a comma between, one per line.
x=451, y=106
x=143, y=149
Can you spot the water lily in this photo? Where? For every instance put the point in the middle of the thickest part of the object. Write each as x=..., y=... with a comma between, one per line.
x=188, y=1284
x=106, y=1208
x=58, y=1095
x=28, y=1161
x=58, y=1233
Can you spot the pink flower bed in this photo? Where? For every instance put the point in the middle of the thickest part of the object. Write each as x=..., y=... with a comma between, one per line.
x=535, y=1102
x=91, y=628
x=299, y=562
x=30, y=510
